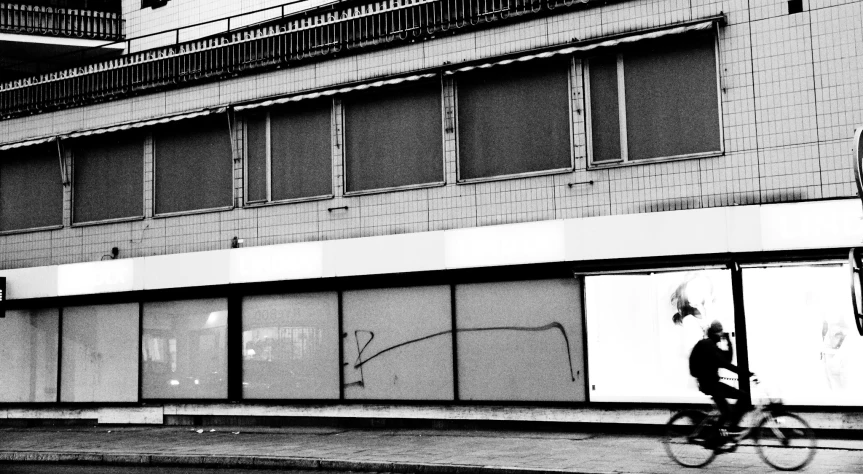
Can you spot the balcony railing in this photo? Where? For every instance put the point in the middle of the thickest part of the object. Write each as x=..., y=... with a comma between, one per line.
x=35, y=20
x=287, y=40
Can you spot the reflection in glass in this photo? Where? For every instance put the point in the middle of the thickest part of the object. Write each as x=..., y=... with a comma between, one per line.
x=290, y=346
x=100, y=362
x=801, y=333
x=28, y=355
x=641, y=329
x=184, y=349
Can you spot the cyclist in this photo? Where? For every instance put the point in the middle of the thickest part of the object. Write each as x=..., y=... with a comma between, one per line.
x=704, y=363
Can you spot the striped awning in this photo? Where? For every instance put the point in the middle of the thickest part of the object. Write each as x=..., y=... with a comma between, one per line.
x=113, y=128
x=331, y=92
x=705, y=25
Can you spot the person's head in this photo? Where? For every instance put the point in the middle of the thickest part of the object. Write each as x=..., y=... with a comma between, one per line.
x=714, y=331
x=691, y=298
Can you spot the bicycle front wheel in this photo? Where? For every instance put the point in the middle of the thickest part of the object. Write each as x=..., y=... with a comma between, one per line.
x=785, y=441
x=683, y=441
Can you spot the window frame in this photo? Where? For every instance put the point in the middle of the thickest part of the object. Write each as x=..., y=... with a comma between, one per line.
x=528, y=174
x=340, y=108
x=151, y=136
x=268, y=157
x=621, y=101
x=72, y=223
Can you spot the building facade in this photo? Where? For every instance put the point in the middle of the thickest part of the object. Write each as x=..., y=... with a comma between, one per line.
x=438, y=209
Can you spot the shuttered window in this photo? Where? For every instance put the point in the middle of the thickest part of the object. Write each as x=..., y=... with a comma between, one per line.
x=108, y=177
x=31, y=188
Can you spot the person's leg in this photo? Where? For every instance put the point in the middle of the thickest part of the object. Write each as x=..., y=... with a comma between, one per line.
x=722, y=390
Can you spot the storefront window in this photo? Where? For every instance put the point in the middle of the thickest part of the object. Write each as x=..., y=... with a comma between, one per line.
x=184, y=349
x=801, y=334
x=100, y=361
x=641, y=329
x=28, y=371
x=398, y=343
x=520, y=341
x=290, y=346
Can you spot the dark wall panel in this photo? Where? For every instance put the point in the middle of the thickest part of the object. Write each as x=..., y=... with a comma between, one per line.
x=193, y=165
x=514, y=120
x=31, y=190
x=671, y=99
x=256, y=157
x=302, y=150
x=108, y=177
x=393, y=137
x=604, y=110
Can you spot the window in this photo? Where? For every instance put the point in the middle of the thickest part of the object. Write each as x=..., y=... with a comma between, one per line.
x=659, y=100
x=393, y=137
x=31, y=188
x=153, y=3
x=289, y=152
x=290, y=346
x=99, y=361
x=398, y=343
x=636, y=351
x=108, y=177
x=29, y=355
x=520, y=341
x=801, y=334
x=184, y=349
x=194, y=169
x=514, y=120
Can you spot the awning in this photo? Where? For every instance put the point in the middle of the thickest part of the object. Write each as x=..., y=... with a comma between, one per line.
x=34, y=141
x=705, y=25
x=331, y=92
x=145, y=123
x=113, y=128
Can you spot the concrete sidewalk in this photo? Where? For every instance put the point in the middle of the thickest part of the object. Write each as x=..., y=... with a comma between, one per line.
x=404, y=450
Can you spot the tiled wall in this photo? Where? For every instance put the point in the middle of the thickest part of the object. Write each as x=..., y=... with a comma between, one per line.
x=791, y=99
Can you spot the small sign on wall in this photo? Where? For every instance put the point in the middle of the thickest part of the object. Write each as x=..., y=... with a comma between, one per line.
x=2, y=297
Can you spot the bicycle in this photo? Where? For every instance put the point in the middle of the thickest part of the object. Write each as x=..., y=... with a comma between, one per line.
x=783, y=440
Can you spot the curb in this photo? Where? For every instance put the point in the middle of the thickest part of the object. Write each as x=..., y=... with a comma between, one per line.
x=266, y=462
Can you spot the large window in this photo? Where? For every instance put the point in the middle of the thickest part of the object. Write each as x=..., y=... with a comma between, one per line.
x=290, y=346
x=398, y=344
x=514, y=120
x=289, y=152
x=800, y=328
x=656, y=100
x=31, y=188
x=29, y=355
x=520, y=341
x=100, y=354
x=393, y=137
x=194, y=169
x=108, y=177
x=641, y=329
x=184, y=349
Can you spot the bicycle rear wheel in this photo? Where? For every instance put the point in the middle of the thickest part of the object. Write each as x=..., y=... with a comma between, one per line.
x=682, y=442
x=785, y=441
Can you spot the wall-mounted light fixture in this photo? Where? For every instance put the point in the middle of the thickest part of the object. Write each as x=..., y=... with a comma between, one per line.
x=236, y=242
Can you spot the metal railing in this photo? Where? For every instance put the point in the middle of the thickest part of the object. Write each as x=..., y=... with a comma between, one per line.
x=35, y=20
x=293, y=38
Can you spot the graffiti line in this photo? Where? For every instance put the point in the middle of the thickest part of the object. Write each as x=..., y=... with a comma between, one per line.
x=555, y=325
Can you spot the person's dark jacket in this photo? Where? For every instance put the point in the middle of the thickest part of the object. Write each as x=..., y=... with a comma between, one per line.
x=705, y=361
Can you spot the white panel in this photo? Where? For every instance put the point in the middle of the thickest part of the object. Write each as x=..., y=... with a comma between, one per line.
x=510, y=244
x=277, y=262
x=98, y=277
x=385, y=254
x=188, y=269
x=36, y=282
x=744, y=228
x=819, y=224
x=640, y=235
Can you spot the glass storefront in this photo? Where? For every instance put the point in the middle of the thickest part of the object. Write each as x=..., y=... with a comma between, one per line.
x=801, y=334
x=641, y=329
x=184, y=349
x=290, y=346
x=100, y=356
x=29, y=354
